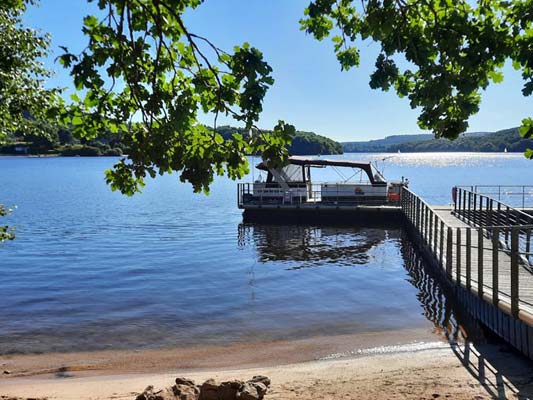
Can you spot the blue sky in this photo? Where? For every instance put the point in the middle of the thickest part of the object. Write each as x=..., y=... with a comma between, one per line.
x=310, y=91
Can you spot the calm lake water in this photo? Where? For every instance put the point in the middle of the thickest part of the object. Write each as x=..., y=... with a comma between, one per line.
x=92, y=269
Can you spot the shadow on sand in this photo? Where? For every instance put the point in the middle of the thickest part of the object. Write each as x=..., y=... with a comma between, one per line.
x=503, y=372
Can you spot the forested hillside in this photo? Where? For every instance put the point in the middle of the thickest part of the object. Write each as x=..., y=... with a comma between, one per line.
x=61, y=142
x=507, y=139
x=382, y=144
x=474, y=141
x=304, y=143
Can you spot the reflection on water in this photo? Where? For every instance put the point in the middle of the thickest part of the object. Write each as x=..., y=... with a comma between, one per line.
x=274, y=287
x=305, y=246
x=313, y=246
x=437, y=302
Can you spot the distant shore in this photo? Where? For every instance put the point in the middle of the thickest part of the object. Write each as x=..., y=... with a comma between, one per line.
x=311, y=155
x=30, y=155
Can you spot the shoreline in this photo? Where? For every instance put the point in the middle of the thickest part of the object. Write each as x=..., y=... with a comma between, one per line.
x=434, y=372
x=416, y=363
x=248, y=354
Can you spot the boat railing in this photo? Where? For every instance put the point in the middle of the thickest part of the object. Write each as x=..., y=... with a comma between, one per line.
x=330, y=194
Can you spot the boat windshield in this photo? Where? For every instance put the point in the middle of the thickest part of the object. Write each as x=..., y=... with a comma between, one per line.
x=289, y=173
x=378, y=177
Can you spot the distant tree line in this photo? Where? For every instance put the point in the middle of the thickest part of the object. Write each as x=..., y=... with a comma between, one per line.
x=60, y=141
x=381, y=145
x=508, y=139
x=303, y=143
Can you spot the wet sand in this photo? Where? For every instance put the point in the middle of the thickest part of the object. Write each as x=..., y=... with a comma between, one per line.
x=238, y=355
x=408, y=364
x=423, y=374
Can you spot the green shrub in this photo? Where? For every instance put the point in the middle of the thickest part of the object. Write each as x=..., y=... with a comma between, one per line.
x=80, y=150
x=113, y=152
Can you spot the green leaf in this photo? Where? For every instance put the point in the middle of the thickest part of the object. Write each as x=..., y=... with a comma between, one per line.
x=496, y=76
x=526, y=129
x=76, y=120
x=219, y=139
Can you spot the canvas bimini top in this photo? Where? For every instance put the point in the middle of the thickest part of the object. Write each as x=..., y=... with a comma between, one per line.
x=374, y=176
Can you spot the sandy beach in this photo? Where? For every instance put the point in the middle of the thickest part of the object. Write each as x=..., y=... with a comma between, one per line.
x=400, y=368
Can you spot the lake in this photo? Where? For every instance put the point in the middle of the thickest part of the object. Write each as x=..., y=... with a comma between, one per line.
x=92, y=269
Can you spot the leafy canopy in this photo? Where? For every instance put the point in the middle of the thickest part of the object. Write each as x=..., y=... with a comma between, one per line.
x=437, y=53
x=6, y=233
x=24, y=101
x=145, y=76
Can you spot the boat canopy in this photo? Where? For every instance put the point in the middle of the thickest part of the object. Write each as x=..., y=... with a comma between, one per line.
x=374, y=176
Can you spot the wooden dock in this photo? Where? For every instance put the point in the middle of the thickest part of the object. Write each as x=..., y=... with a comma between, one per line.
x=487, y=264
x=481, y=246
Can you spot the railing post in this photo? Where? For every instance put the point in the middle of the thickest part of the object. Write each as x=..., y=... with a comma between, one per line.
x=474, y=210
x=469, y=206
x=491, y=213
x=507, y=218
x=430, y=229
x=528, y=243
x=435, y=227
x=416, y=213
x=405, y=202
x=409, y=200
x=412, y=205
x=495, y=265
x=449, y=249
x=514, y=272
x=422, y=213
x=458, y=255
x=425, y=223
x=480, y=217
x=419, y=209
x=468, y=258
x=480, y=252
x=463, y=205
x=488, y=213
x=441, y=246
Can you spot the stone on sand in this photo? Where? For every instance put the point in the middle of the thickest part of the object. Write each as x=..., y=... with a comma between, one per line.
x=186, y=389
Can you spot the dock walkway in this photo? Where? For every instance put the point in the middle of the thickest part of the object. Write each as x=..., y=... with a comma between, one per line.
x=482, y=247
x=525, y=278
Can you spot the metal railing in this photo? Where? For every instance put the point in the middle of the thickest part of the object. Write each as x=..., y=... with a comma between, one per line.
x=312, y=195
x=473, y=257
x=518, y=196
x=480, y=210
